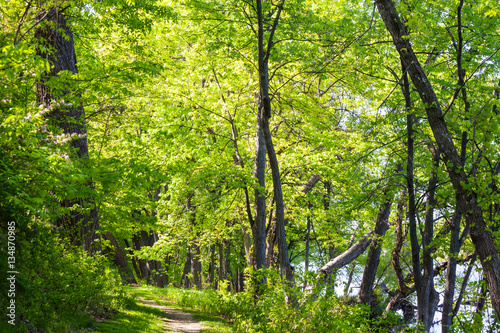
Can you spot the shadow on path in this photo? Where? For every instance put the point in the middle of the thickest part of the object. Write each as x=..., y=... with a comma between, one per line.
x=177, y=321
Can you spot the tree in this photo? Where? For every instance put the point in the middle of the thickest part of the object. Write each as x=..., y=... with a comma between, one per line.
x=468, y=200
x=56, y=44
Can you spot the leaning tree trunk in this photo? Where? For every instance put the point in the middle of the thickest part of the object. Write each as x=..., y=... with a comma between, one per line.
x=468, y=201
x=120, y=260
x=58, y=48
x=373, y=259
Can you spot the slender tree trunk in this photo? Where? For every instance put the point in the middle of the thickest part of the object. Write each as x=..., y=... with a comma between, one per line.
x=306, y=255
x=211, y=268
x=220, y=262
x=265, y=111
x=373, y=259
x=451, y=271
x=259, y=226
x=349, y=280
x=455, y=227
x=55, y=35
x=430, y=298
x=481, y=302
x=468, y=201
x=228, y=273
x=464, y=285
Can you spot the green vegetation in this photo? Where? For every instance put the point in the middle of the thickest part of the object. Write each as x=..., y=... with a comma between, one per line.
x=282, y=166
x=217, y=309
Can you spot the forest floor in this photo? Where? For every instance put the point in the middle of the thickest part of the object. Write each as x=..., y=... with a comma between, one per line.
x=149, y=310
x=176, y=320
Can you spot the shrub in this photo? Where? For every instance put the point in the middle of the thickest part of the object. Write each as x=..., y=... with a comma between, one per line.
x=58, y=286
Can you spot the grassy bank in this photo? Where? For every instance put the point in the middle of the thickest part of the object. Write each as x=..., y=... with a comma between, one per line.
x=134, y=317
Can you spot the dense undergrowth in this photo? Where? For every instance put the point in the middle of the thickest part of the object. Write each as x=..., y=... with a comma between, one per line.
x=58, y=288
x=316, y=311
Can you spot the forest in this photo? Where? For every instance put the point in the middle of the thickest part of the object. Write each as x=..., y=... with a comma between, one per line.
x=284, y=165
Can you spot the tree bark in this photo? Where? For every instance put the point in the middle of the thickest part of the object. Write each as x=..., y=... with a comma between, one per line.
x=211, y=268
x=373, y=259
x=143, y=263
x=259, y=225
x=447, y=316
x=54, y=33
x=120, y=260
x=468, y=201
x=265, y=115
x=220, y=262
x=134, y=261
x=347, y=256
x=196, y=264
x=429, y=298
x=185, y=280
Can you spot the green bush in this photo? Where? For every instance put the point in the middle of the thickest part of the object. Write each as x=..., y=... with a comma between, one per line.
x=268, y=311
x=59, y=287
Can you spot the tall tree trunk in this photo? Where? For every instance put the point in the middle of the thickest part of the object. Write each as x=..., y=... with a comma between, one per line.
x=185, y=280
x=373, y=259
x=455, y=226
x=265, y=114
x=228, y=273
x=143, y=263
x=220, y=263
x=196, y=264
x=306, y=255
x=259, y=225
x=468, y=201
x=55, y=35
x=211, y=267
x=451, y=271
x=427, y=305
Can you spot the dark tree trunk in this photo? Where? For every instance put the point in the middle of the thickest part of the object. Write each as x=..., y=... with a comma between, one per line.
x=185, y=280
x=220, y=266
x=373, y=259
x=349, y=280
x=426, y=307
x=265, y=115
x=313, y=180
x=211, y=267
x=120, y=260
x=143, y=263
x=259, y=226
x=306, y=255
x=228, y=274
x=196, y=265
x=55, y=35
x=134, y=261
x=271, y=260
x=468, y=201
x=447, y=316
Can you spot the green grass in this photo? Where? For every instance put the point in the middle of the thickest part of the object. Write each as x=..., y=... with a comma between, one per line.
x=135, y=317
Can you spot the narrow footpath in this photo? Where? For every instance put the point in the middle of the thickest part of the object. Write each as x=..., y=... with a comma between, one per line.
x=176, y=320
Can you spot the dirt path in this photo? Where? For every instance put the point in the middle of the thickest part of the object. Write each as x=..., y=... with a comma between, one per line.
x=176, y=320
